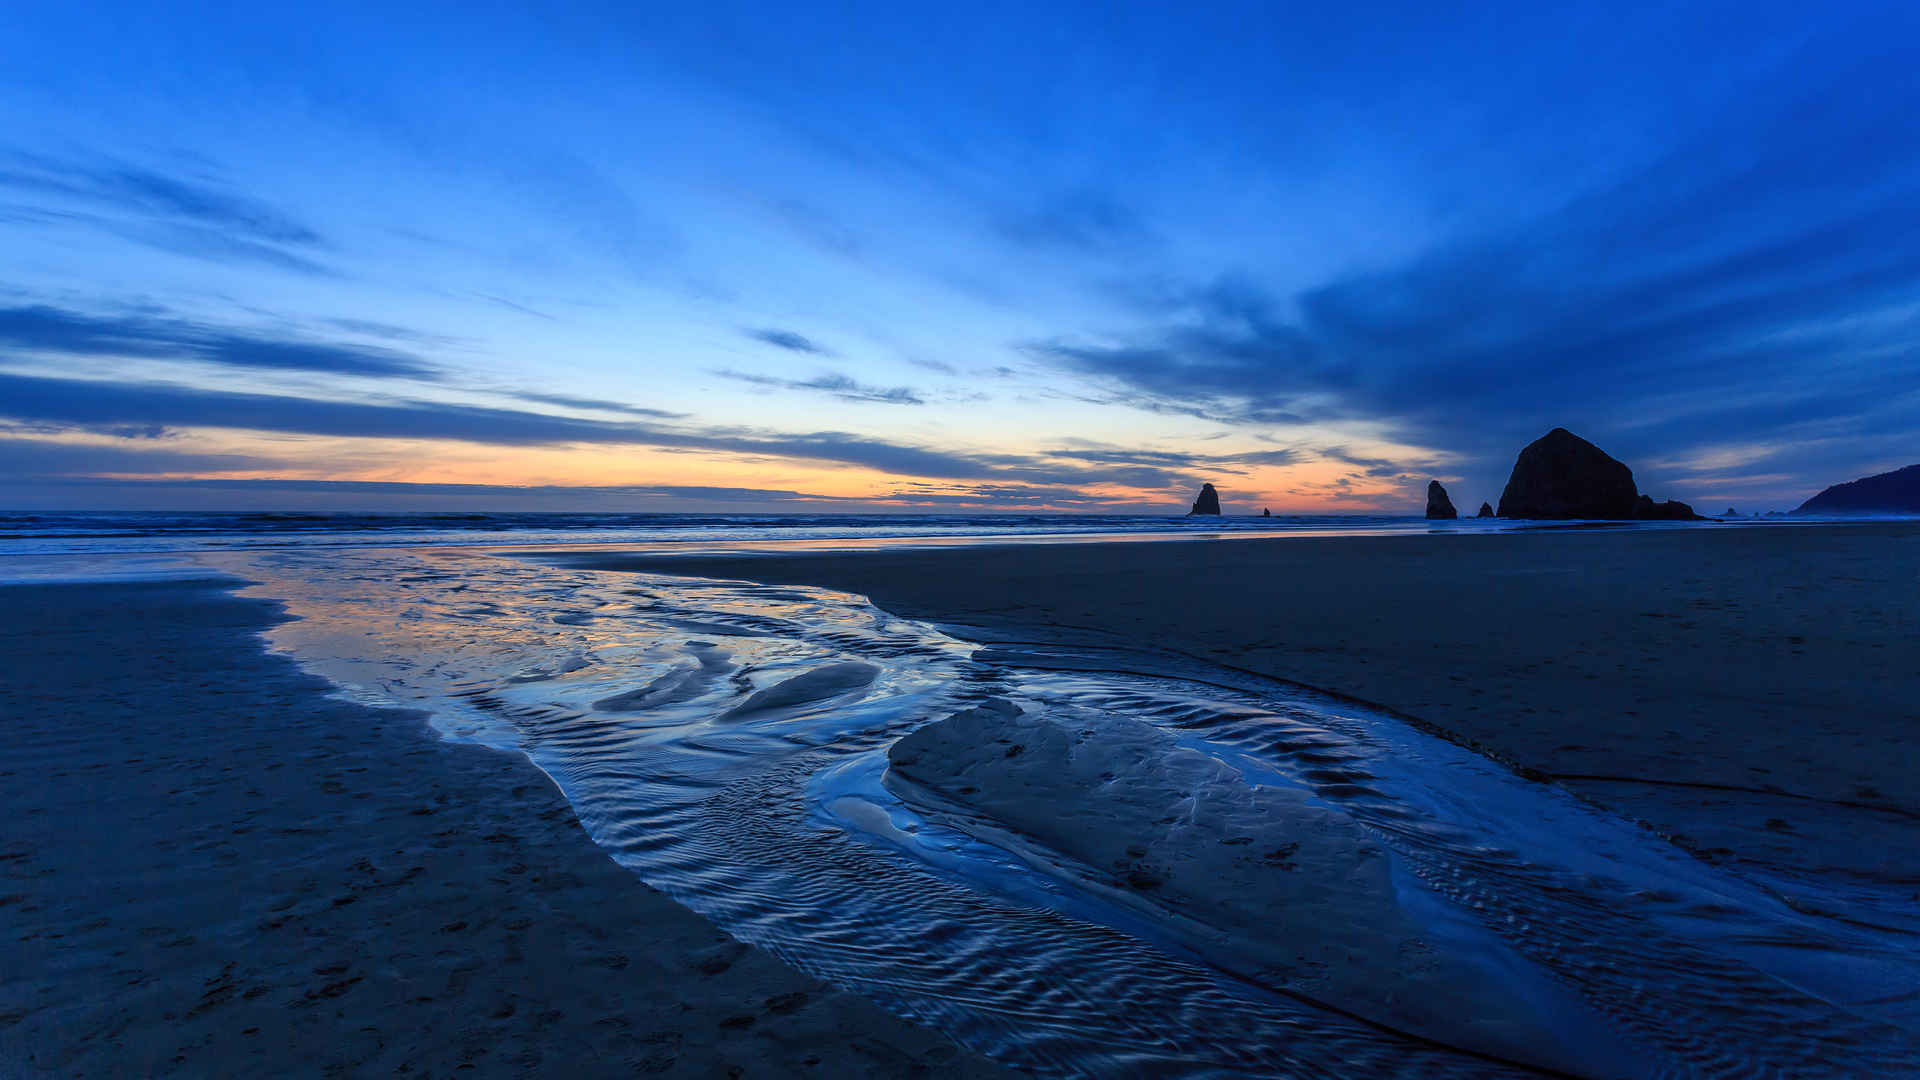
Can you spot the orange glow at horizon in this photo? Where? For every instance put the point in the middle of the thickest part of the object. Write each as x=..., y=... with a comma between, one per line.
x=1307, y=486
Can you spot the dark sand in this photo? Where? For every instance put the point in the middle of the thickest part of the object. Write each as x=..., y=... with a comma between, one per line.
x=1752, y=692
x=210, y=868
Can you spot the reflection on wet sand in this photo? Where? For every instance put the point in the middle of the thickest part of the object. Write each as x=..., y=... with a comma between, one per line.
x=728, y=741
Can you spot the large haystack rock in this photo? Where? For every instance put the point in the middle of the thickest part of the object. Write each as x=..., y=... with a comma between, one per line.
x=1563, y=476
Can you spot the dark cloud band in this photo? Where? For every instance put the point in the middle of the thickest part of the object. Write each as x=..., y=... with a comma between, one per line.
x=41, y=328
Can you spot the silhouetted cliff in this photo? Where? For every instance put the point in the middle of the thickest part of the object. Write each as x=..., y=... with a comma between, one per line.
x=1896, y=492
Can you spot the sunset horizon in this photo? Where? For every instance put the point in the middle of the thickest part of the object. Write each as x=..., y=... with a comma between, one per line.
x=1137, y=254
x=868, y=540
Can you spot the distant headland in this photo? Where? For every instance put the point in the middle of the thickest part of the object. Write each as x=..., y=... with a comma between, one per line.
x=1896, y=492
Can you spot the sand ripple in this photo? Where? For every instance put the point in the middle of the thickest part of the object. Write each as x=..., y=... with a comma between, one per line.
x=749, y=782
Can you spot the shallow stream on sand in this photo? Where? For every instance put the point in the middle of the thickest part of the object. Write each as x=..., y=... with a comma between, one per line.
x=726, y=741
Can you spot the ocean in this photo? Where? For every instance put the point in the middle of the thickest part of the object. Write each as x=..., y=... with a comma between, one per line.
x=146, y=533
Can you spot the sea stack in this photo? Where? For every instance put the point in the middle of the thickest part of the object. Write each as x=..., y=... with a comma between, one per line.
x=1439, y=507
x=1561, y=476
x=1486, y=510
x=1208, y=504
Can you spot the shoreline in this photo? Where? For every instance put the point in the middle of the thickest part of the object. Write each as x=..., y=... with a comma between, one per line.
x=220, y=867
x=1747, y=693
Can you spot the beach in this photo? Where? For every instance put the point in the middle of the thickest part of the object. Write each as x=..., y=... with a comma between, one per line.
x=1749, y=692
x=212, y=867
x=1594, y=802
x=1189, y=542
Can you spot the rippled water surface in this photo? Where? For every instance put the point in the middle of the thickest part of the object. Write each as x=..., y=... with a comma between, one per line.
x=726, y=741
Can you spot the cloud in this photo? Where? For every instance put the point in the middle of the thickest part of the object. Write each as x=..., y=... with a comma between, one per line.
x=568, y=401
x=1230, y=356
x=788, y=340
x=115, y=431
x=175, y=238
x=1173, y=459
x=1008, y=497
x=25, y=459
x=1754, y=278
x=1084, y=221
x=1173, y=470
x=513, y=492
x=213, y=245
x=129, y=188
x=817, y=227
x=375, y=328
x=49, y=489
x=511, y=306
x=184, y=216
x=42, y=328
x=836, y=385
x=53, y=489
x=90, y=404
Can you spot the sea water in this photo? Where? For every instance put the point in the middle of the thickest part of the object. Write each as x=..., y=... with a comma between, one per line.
x=44, y=533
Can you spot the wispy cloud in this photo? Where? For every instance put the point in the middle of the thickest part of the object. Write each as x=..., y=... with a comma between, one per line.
x=568, y=401
x=130, y=188
x=836, y=385
x=1228, y=355
x=1378, y=467
x=42, y=328
x=56, y=474
x=375, y=328
x=183, y=215
x=1726, y=289
x=1714, y=250
x=1173, y=459
x=146, y=432
x=520, y=308
x=1006, y=497
x=78, y=464
x=1084, y=221
x=50, y=469
x=92, y=404
x=23, y=459
x=788, y=340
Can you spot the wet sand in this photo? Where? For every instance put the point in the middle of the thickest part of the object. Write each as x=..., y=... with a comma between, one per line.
x=212, y=868
x=1753, y=693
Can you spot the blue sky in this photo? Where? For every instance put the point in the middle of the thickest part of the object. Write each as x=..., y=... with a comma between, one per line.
x=886, y=256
